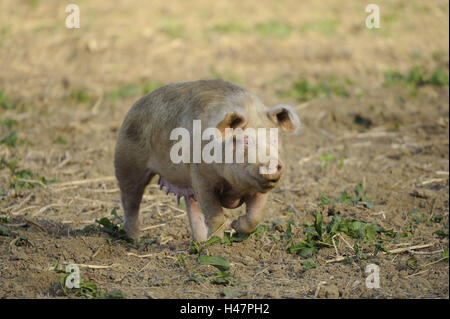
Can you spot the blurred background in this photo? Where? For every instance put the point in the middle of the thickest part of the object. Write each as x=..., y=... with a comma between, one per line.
x=263, y=45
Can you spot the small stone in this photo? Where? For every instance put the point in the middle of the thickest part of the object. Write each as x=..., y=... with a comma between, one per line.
x=422, y=193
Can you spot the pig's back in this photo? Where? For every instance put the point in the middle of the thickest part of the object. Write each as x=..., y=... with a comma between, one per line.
x=177, y=104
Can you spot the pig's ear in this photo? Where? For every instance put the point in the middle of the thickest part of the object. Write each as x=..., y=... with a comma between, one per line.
x=232, y=120
x=286, y=117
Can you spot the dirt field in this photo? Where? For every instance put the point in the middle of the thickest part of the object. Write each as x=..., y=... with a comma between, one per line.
x=374, y=104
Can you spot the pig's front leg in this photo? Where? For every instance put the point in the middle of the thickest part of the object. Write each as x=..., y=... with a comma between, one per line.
x=206, y=215
x=197, y=220
x=254, y=214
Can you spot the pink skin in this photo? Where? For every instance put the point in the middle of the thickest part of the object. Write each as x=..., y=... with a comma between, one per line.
x=254, y=214
x=196, y=219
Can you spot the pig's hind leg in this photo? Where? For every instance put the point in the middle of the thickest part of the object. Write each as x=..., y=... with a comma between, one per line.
x=132, y=178
x=254, y=214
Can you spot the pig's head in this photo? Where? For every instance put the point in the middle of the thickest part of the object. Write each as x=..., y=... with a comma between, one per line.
x=255, y=130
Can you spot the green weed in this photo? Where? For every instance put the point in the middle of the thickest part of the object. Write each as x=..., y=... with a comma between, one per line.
x=23, y=179
x=60, y=140
x=7, y=124
x=113, y=226
x=322, y=26
x=302, y=90
x=88, y=289
x=79, y=96
x=327, y=159
x=229, y=27
x=225, y=76
x=274, y=29
x=416, y=78
x=346, y=198
x=173, y=29
x=308, y=263
x=5, y=103
x=318, y=235
x=11, y=139
x=26, y=179
x=132, y=90
x=150, y=86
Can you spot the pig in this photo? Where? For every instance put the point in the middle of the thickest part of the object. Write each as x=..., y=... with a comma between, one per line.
x=144, y=145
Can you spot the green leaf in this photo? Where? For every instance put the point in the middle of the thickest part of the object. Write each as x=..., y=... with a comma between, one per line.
x=309, y=264
x=439, y=78
x=116, y=216
x=108, y=226
x=259, y=231
x=379, y=248
x=304, y=249
x=307, y=224
x=213, y=240
x=318, y=220
x=227, y=292
x=114, y=294
x=445, y=254
x=306, y=252
x=288, y=233
x=325, y=200
x=345, y=199
x=333, y=226
x=4, y=219
x=5, y=103
x=360, y=196
x=147, y=241
x=356, y=248
x=217, y=261
x=10, y=140
x=236, y=238
x=195, y=247
x=224, y=278
x=4, y=231
x=441, y=233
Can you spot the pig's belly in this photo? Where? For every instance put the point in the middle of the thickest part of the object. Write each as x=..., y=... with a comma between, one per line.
x=173, y=178
x=185, y=192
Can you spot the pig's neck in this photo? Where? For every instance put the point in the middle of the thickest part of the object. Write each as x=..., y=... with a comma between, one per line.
x=230, y=197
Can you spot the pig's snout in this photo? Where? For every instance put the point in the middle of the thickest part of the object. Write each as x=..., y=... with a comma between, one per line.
x=271, y=173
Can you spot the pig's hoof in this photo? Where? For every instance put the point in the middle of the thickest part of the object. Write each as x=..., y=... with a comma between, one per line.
x=241, y=226
x=131, y=233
